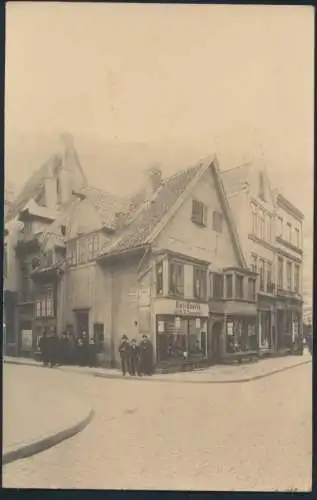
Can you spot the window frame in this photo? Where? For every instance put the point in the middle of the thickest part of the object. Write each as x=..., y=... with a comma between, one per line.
x=214, y=277
x=280, y=272
x=252, y=295
x=200, y=276
x=176, y=289
x=159, y=278
x=239, y=278
x=262, y=274
x=297, y=278
x=289, y=271
x=199, y=213
x=227, y=278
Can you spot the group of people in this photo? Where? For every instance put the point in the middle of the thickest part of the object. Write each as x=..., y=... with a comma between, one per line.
x=66, y=349
x=136, y=359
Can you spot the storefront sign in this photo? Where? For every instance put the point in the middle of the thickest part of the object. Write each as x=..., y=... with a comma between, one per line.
x=27, y=339
x=190, y=308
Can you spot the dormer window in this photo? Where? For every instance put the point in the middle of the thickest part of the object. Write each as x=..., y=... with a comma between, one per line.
x=199, y=213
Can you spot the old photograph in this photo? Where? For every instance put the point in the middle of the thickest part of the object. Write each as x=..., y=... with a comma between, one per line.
x=158, y=247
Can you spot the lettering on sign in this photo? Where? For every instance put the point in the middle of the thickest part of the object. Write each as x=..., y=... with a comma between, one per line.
x=187, y=308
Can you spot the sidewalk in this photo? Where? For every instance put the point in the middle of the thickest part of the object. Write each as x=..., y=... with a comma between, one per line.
x=35, y=419
x=214, y=374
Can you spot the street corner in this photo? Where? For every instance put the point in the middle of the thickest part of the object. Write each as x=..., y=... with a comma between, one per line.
x=34, y=418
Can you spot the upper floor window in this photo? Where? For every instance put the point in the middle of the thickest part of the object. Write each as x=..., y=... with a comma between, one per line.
x=159, y=278
x=27, y=227
x=217, y=222
x=261, y=186
x=176, y=278
x=44, y=304
x=217, y=286
x=254, y=263
x=262, y=223
x=83, y=249
x=262, y=278
x=289, y=232
x=269, y=277
x=254, y=218
x=199, y=213
x=229, y=287
x=297, y=237
x=280, y=227
x=251, y=289
x=280, y=277
x=289, y=275
x=296, y=278
x=200, y=288
x=269, y=228
x=239, y=286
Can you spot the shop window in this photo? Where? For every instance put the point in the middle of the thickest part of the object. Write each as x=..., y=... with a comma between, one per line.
x=296, y=278
x=176, y=279
x=262, y=278
x=217, y=287
x=239, y=287
x=179, y=339
x=200, y=291
x=251, y=289
x=289, y=275
x=229, y=286
x=159, y=278
x=199, y=213
x=241, y=335
x=280, y=277
x=265, y=330
x=217, y=222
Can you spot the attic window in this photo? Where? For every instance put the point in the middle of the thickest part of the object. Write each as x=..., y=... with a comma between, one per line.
x=199, y=213
x=261, y=186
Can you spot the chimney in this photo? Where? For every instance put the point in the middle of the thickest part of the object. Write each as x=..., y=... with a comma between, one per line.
x=50, y=188
x=153, y=181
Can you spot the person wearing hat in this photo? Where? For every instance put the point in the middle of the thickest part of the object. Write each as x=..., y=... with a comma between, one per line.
x=146, y=356
x=134, y=359
x=124, y=351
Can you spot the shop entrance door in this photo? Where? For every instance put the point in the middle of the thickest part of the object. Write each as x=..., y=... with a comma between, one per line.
x=82, y=321
x=215, y=342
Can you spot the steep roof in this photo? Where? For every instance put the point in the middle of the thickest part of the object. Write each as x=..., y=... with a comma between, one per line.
x=236, y=177
x=33, y=186
x=106, y=204
x=150, y=214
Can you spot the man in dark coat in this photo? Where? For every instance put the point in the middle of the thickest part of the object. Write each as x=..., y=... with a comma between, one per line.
x=134, y=358
x=124, y=350
x=146, y=356
x=43, y=345
x=53, y=349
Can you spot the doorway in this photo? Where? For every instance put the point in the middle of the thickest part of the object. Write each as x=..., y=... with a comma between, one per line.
x=215, y=351
x=82, y=321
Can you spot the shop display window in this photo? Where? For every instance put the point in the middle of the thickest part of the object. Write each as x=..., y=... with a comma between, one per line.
x=241, y=335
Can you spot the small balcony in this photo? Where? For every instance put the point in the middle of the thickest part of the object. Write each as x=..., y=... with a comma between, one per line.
x=50, y=266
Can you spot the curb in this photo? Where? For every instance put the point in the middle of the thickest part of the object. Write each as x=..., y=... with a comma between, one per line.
x=230, y=381
x=153, y=379
x=28, y=450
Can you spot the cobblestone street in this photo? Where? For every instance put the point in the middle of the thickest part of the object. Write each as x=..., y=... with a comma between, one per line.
x=249, y=436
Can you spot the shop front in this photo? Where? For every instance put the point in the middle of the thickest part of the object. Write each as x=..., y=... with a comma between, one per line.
x=265, y=326
x=241, y=336
x=180, y=333
x=289, y=324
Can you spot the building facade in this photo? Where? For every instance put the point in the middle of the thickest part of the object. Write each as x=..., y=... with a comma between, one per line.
x=289, y=271
x=258, y=213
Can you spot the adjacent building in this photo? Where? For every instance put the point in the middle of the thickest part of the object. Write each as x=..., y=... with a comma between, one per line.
x=270, y=231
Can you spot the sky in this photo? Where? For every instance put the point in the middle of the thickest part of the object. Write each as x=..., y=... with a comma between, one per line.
x=137, y=84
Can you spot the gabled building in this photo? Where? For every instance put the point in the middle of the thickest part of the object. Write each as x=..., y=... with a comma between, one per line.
x=168, y=264
x=39, y=203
